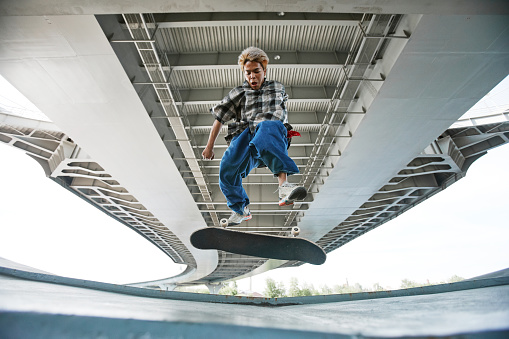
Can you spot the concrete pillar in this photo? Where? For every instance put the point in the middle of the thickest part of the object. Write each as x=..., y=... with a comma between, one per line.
x=214, y=288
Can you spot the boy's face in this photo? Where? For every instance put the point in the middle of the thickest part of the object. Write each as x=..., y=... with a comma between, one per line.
x=254, y=74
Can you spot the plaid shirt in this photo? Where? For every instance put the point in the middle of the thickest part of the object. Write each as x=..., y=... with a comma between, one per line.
x=248, y=107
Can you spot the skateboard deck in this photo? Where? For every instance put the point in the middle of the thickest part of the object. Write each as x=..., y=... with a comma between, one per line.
x=258, y=245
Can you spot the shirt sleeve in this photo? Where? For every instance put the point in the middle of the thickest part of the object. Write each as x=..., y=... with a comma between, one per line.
x=279, y=111
x=230, y=106
x=284, y=98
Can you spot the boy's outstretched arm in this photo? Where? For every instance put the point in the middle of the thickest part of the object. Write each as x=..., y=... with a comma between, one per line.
x=208, y=152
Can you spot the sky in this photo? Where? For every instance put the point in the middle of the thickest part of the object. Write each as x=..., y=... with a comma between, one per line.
x=461, y=231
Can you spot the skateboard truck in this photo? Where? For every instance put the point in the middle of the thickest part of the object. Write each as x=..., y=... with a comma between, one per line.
x=294, y=232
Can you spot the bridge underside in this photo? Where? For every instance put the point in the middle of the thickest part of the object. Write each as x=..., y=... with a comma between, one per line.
x=373, y=93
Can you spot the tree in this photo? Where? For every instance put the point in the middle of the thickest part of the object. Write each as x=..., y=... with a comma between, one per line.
x=230, y=289
x=406, y=283
x=192, y=289
x=324, y=290
x=345, y=288
x=308, y=290
x=455, y=278
x=294, y=290
x=273, y=289
x=377, y=287
x=338, y=289
x=357, y=288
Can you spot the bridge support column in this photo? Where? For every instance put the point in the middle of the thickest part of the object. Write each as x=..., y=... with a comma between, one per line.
x=168, y=287
x=214, y=288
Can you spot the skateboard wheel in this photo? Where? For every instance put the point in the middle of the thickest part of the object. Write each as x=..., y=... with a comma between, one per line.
x=223, y=222
x=295, y=231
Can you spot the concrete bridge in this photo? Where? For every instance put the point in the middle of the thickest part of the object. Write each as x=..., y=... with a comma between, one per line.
x=376, y=90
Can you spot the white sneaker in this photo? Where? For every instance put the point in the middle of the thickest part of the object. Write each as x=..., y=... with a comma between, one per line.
x=288, y=193
x=236, y=218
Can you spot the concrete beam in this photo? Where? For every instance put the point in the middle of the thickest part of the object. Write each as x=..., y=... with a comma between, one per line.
x=213, y=96
x=78, y=7
x=227, y=60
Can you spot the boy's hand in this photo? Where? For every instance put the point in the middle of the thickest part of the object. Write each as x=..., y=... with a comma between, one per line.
x=208, y=154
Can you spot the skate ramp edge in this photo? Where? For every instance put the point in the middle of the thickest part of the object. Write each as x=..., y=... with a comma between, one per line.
x=40, y=305
x=287, y=301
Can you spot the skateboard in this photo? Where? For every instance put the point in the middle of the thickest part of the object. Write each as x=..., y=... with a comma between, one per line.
x=259, y=245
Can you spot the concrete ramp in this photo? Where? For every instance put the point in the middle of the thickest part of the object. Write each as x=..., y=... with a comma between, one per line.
x=40, y=305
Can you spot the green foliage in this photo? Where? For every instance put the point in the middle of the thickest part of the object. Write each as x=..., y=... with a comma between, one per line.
x=306, y=290
x=294, y=290
x=192, y=289
x=406, y=283
x=345, y=289
x=273, y=289
x=454, y=278
x=325, y=290
x=230, y=289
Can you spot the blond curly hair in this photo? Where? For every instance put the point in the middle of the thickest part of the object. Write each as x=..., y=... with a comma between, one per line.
x=253, y=54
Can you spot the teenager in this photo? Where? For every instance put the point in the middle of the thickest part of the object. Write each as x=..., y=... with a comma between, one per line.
x=257, y=135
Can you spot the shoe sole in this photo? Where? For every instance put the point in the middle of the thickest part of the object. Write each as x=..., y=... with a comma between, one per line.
x=249, y=217
x=299, y=193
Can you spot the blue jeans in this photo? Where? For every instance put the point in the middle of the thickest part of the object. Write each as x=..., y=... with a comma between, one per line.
x=247, y=151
